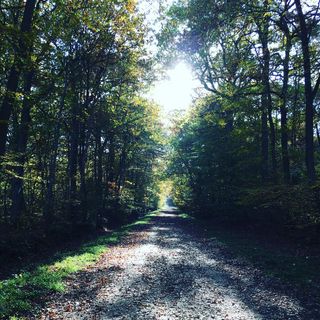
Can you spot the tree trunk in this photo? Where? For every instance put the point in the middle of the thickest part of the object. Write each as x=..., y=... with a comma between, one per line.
x=49, y=202
x=318, y=135
x=263, y=32
x=264, y=145
x=111, y=159
x=122, y=167
x=295, y=113
x=272, y=137
x=73, y=159
x=99, y=174
x=309, y=110
x=17, y=196
x=283, y=110
x=82, y=172
x=20, y=59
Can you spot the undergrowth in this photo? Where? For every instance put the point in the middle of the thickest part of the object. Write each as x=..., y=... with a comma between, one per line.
x=301, y=270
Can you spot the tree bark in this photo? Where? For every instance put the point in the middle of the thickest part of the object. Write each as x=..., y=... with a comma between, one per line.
x=82, y=172
x=20, y=59
x=283, y=107
x=308, y=91
x=73, y=158
x=17, y=195
x=111, y=159
x=263, y=32
x=122, y=167
x=99, y=174
x=264, y=145
x=49, y=202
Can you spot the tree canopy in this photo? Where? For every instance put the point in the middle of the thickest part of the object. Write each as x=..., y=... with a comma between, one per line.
x=256, y=130
x=82, y=146
x=84, y=149
x=78, y=140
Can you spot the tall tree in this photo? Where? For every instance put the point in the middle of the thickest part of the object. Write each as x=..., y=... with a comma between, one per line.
x=309, y=90
x=21, y=58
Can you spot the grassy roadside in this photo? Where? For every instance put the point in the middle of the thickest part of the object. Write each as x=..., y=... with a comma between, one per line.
x=20, y=294
x=276, y=261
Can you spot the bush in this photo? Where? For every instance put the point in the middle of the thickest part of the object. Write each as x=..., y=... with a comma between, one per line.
x=282, y=205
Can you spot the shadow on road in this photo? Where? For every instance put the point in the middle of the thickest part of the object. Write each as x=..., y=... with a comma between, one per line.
x=183, y=277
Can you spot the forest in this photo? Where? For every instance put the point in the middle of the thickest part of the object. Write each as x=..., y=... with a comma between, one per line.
x=78, y=139
x=249, y=148
x=85, y=150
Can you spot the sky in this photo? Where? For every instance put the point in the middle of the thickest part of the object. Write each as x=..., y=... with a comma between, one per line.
x=176, y=90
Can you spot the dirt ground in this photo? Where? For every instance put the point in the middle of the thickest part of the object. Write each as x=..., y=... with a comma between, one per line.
x=164, y=271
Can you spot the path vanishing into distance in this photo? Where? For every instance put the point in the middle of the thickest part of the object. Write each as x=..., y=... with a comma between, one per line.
x=166, y=270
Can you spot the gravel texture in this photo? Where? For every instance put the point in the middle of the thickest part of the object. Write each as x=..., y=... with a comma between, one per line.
x=167, y=272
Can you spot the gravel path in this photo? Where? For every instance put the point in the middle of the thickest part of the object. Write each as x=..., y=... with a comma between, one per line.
x=166, y=272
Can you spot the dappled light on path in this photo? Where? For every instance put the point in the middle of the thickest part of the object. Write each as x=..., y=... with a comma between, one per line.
x=165, y=272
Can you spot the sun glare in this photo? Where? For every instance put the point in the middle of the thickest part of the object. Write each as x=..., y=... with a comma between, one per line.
x=175, y=92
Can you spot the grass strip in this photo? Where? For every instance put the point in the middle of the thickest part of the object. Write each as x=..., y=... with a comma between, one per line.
x=20, y=294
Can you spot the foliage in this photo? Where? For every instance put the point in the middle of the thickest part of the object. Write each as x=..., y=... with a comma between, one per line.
x=282, y=205
x=82, y=144
x=245, y=152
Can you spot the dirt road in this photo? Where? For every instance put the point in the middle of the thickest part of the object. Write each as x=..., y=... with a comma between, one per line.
x=167, y=272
